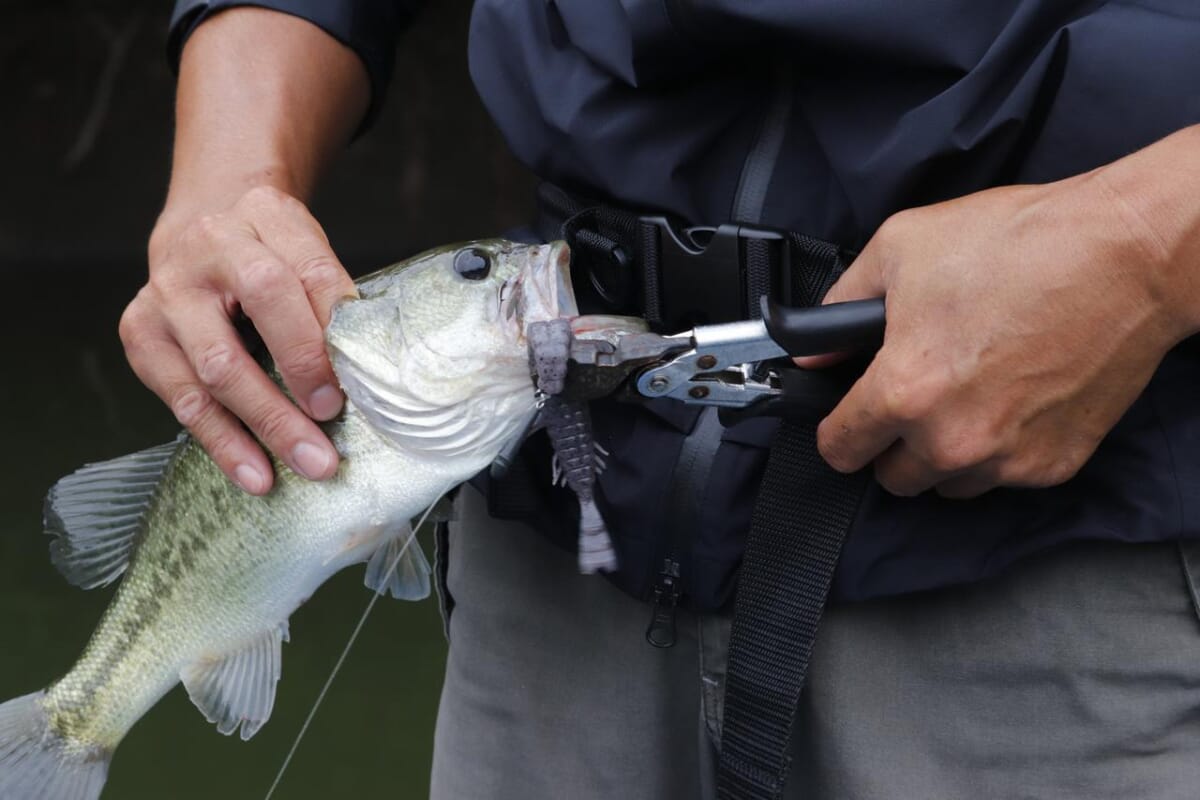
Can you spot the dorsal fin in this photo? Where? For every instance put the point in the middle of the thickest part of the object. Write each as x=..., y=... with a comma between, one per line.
x=238, y=690
x=409, y=578
x=95, y=513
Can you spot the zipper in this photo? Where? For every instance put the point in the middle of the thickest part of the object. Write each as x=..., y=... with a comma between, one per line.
x=661, y=631
x=685, y=497
x=688, y=480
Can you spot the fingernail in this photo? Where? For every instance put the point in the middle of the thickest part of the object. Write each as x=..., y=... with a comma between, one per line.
x=326, y=402
x=250, y=479
x=311, y=461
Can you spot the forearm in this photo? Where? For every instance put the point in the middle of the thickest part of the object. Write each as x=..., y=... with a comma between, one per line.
x=1154, y=195
x=264, y=98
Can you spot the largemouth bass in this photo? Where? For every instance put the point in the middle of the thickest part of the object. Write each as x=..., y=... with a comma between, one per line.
x=433, y=359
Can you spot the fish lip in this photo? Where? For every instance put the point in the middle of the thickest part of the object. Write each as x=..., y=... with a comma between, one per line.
x=560, y=258
x=547, y=291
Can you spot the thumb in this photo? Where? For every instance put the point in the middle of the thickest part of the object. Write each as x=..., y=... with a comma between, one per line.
x=863, y=279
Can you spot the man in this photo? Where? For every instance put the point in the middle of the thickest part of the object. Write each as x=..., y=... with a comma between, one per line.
x=1034, y=404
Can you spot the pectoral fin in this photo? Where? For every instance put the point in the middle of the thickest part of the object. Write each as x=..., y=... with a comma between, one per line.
x=398, y=567
x=96, y=513
x=239, y=689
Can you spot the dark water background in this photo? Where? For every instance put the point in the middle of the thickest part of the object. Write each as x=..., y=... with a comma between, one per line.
x=84, y=148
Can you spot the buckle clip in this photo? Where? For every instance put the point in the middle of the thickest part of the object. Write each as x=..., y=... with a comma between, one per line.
x=706, y=275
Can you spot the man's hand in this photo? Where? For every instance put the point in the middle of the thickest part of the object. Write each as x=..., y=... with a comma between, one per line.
x=264, y=100
x=1021, y=323
x=268, y=257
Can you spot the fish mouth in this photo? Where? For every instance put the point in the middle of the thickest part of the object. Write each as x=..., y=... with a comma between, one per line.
x=546, y=291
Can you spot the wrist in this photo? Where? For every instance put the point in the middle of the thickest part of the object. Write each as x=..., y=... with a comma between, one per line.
x=1151, y=199
x=188, y=200
x=215, y=191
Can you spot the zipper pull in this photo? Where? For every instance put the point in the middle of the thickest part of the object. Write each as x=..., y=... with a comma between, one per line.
x=661, y=631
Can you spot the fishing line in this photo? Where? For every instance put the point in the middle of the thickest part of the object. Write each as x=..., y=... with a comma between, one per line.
x=349, y=644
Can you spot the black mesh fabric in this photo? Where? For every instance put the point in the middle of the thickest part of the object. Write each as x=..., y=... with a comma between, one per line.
x=759, y=267
x=648, y=244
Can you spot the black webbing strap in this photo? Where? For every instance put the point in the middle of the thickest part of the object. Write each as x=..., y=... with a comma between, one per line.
x=800, y=520
x=801, y=516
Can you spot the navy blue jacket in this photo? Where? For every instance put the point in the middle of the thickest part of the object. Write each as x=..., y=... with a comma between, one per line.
x=885, y=106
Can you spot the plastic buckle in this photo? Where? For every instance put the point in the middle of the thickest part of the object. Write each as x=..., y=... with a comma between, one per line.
x=703, y=275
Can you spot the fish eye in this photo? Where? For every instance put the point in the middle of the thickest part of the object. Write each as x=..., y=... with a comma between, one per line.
x=473, y=264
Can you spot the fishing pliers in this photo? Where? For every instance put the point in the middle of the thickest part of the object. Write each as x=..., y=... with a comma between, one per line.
x=743, y=368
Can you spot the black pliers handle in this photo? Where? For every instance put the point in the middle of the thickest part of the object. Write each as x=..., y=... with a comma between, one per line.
x=741, y=367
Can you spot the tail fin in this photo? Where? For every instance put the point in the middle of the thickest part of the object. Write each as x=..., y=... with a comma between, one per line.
x=38, y=764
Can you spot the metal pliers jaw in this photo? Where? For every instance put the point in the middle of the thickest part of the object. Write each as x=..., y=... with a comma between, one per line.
x=719, y=369
x=740, y=367
x=603, y=365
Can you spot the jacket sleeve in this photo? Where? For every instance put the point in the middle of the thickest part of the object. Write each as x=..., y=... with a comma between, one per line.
x=368, y=27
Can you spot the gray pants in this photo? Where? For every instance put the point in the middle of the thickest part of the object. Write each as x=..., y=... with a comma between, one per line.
x=1074, y=676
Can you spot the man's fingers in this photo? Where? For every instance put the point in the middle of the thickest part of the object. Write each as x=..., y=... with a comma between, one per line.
x=159, y=363
x=230, y=375
x=965, y=487
x=862, y=280
x=324, y=278
x=903, y=472
x=301, y=242
x=875, y=411
x=274, y=299
x=267, y=255
x=860, y=427
x=821, y=361
x=221, y=435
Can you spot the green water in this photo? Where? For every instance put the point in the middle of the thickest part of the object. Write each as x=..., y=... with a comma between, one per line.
x=67, y=397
